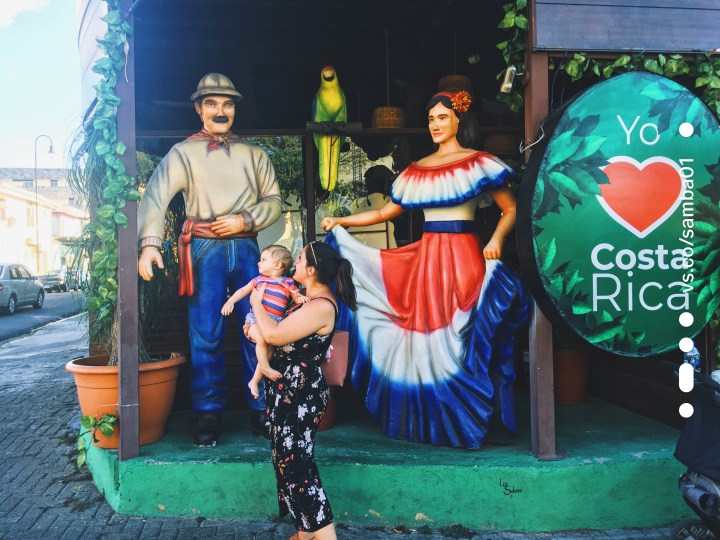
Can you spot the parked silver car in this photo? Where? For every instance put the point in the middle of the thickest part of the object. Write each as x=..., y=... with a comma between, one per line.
x=18, y=287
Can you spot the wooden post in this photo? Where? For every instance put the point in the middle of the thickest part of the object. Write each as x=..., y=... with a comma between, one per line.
x=127, y=306
x=309, y=186
x=542, y=399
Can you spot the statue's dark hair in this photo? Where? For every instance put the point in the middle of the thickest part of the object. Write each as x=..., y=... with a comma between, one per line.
x=468, y=130
x=330, y=266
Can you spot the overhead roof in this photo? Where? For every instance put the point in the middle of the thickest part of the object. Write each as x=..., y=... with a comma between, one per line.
x=273, y=50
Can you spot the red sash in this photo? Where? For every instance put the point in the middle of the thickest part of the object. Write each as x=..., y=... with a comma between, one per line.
x=200, y=229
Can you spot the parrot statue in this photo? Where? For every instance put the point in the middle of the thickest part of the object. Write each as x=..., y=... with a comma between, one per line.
x=329, y=106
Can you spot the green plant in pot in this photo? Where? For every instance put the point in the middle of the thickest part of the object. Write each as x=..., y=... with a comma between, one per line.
x=570, y=367
x=98, y=176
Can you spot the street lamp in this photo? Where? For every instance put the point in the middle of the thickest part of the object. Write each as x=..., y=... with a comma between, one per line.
x=37, y=211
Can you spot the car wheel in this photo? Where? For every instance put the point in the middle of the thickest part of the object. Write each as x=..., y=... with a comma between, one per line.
x=11, y=305
x=64, y=288
x=40, y=299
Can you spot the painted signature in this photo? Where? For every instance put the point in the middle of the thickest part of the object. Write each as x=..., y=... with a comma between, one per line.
x=507, y=490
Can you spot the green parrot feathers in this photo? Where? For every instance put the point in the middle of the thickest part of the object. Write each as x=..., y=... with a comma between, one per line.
x=329, y=106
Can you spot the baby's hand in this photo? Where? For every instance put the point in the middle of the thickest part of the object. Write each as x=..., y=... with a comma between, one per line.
x=227, y=309
x=301, y=299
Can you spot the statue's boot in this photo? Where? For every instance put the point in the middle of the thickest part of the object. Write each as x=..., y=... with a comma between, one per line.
x=207, y=432
x=259, y=424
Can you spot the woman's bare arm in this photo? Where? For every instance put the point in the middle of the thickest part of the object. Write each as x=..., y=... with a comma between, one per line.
x=313, y=318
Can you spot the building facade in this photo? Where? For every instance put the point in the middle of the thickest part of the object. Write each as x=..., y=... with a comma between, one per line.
x=38, y=223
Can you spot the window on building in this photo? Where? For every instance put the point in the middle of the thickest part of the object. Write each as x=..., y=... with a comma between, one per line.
x=28, y=183
x=53, y=183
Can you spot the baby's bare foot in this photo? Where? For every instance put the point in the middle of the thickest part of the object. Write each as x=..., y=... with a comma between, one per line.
x=271, y=373
x=254, y=390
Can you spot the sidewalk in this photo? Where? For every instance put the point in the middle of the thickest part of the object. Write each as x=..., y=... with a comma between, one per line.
x=43, y=495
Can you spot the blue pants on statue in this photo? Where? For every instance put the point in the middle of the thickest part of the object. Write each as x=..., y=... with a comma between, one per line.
x=217, y=265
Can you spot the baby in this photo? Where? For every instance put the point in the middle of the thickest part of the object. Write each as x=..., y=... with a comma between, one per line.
x=275, y=262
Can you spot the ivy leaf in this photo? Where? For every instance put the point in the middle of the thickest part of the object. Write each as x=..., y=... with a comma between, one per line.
x=106, y=430
x=106, y=211
x=88, y=422
x=573, y=69
x=621, y=61
x=112, y=18
x=82, y=456
x=102, y=147
x=520, y=4
x=121, y=219
x=508, y=20
x=521, y=22
x=652, y=66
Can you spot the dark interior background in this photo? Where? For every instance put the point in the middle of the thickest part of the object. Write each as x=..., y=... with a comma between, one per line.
x=273, y=50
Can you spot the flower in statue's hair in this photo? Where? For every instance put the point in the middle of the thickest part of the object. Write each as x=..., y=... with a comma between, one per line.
x=461, y=101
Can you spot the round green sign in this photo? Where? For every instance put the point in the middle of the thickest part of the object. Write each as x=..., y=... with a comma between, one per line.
x=618, y=218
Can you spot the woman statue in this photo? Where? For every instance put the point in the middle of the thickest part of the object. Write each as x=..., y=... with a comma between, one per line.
x=297, y=400
x=435, y=324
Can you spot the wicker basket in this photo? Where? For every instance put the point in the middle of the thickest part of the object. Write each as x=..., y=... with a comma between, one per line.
x=388, y=117
x=455, y=83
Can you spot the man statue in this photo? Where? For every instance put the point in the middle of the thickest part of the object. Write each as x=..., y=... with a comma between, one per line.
x=230, y=193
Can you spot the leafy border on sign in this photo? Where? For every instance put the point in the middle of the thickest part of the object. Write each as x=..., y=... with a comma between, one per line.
x=704, y=68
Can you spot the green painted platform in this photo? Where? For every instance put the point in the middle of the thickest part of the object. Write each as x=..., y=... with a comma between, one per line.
x=619, y=473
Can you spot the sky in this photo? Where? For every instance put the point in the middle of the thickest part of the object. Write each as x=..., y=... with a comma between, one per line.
x=39, y=81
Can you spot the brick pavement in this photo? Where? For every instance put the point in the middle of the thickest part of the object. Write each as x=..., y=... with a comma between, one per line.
x=43, y=495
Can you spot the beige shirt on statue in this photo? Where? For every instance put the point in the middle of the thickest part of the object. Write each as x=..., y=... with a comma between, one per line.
x=214, y=183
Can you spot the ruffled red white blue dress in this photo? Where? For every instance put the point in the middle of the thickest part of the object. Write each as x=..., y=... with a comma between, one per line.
x=432, y=339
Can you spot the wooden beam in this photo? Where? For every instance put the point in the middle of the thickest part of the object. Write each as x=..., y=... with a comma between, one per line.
x=309, y=186
x=127, y=306
x=542, y=399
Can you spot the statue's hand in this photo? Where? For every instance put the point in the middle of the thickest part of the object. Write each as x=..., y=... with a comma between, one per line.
x=328, y=223
x=493, y=249
x=148, y=256
x=227, y=225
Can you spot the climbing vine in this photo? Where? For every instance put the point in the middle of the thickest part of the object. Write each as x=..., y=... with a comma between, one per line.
x=704, y=68
x=100, y=175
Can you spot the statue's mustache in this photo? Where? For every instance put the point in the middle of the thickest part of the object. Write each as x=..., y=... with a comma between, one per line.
x=220, y=119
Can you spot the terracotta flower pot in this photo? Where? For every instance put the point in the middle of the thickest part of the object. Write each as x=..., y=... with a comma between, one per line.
x=570, y=371
x=97, y=387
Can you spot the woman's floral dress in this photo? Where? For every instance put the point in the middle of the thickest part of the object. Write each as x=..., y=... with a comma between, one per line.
x=296, y=403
